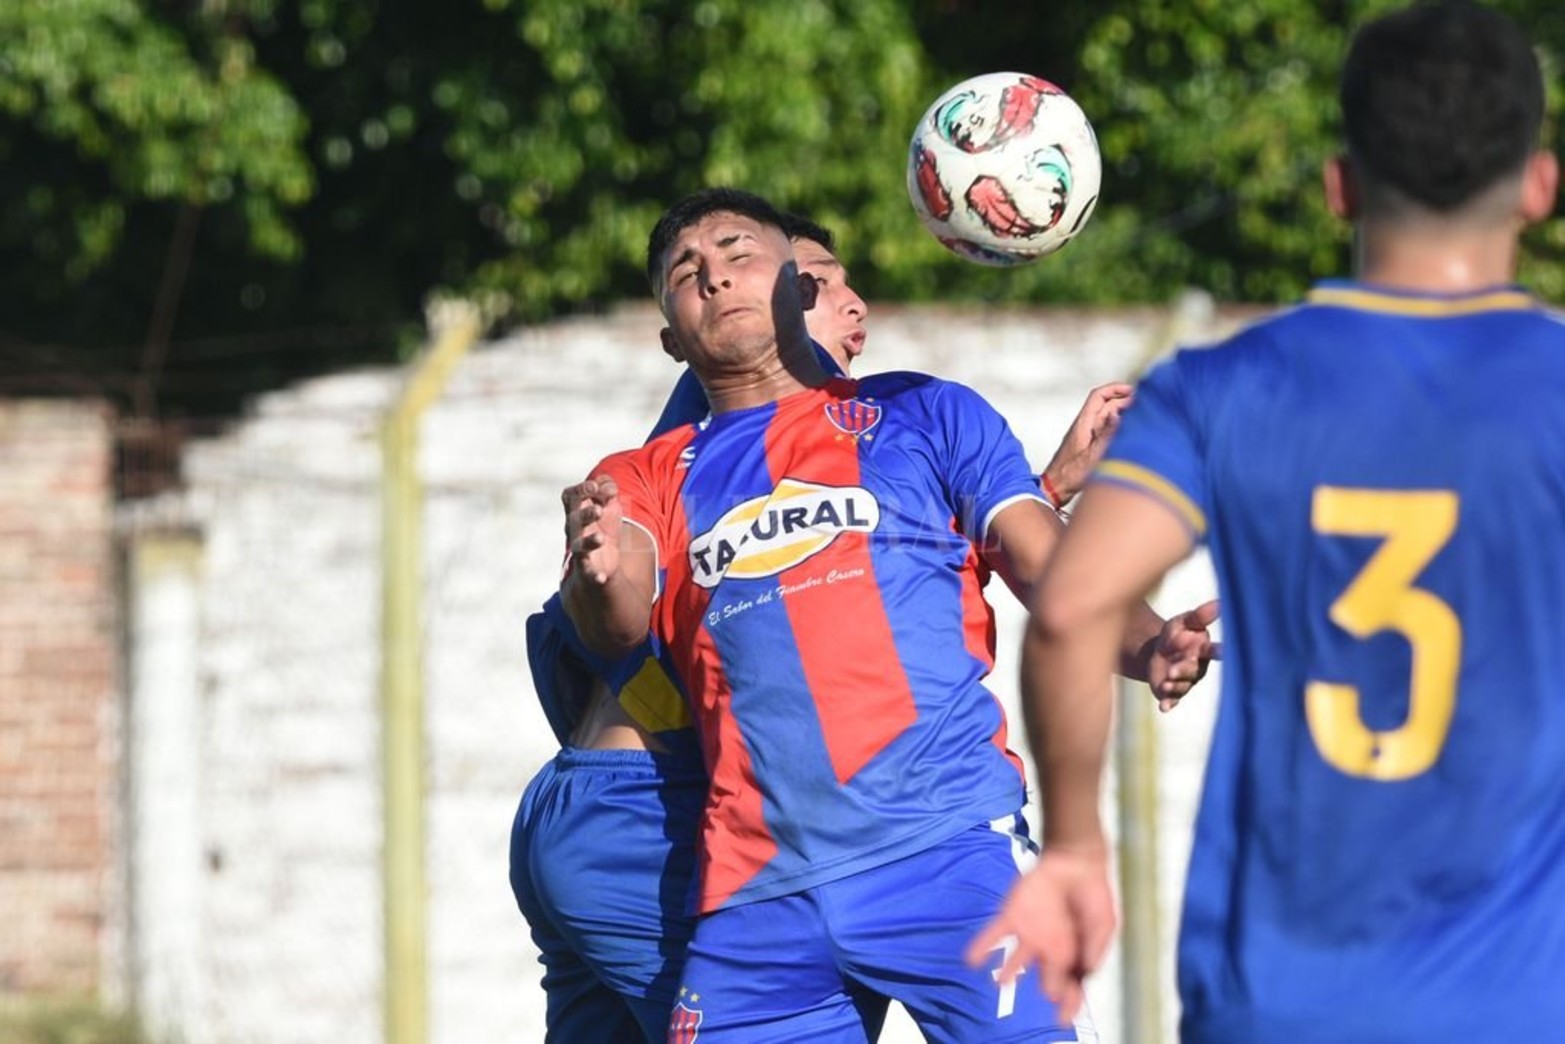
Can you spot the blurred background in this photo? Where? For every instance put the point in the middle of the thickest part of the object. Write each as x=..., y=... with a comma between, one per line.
x=273, y=507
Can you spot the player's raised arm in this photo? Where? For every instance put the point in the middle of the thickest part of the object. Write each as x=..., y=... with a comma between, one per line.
x=1169, y=655
x=610, y=574
x=1083, y=445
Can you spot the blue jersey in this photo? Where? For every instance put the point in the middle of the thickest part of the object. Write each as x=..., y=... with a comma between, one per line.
x=1380, y=852
x=821, y=601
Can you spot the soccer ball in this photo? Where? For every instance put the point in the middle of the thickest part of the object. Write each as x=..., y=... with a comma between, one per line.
x=1004, y=168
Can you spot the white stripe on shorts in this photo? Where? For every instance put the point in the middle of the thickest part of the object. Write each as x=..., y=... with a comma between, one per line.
x=1025, y=855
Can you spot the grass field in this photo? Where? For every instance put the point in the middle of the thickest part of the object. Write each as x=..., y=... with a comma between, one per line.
x=65, y=1022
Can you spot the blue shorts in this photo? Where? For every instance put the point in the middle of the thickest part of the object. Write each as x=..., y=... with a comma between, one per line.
x=603, y=868
x=800, y=967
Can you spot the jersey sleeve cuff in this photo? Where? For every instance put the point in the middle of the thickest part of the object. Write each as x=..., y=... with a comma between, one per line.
x=1145, y=480
x=657, y=564
x=994, y=512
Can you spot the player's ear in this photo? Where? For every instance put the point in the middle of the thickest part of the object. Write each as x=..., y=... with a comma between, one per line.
x=809, y=289
x=670, y=345
x=1336, y=176
x=1540, y=184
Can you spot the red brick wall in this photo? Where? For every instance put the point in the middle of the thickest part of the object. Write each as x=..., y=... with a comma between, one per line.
x=58, y=751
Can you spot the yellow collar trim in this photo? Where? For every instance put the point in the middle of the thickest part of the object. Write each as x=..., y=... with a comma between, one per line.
x=1422, y=307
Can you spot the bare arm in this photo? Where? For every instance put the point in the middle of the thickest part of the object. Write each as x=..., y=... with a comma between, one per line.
x=1062, y=911
x=1119, y=546
x=1142, y=627
x=611, y=575
x=1164, y=654
x=1018, y=544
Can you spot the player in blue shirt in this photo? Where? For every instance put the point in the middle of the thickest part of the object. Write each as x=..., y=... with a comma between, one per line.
x=612, y=919
x=1379, y=474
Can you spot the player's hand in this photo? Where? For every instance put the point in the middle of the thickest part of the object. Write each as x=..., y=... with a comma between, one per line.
x=1060, y=917
x=1088, y=437
x=1182, y=654
x=593, y=515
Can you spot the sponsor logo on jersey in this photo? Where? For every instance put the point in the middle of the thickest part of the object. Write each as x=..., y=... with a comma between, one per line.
x=855, y=418
x=768, y=534
x=687, y=457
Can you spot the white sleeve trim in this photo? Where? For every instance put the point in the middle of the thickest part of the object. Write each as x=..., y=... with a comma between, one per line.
x=657, y=573
x=983, y=530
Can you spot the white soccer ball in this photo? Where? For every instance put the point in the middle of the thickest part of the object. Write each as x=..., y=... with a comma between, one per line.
x=1004, y=168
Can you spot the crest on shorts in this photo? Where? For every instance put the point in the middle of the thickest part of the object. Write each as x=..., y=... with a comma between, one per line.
x=855, y=418
x=684, y=1022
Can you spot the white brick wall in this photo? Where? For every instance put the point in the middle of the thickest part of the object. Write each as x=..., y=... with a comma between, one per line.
x=276, y=936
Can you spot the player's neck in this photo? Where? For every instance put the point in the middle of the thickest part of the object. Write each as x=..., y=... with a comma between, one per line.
x=1437, y=259
x=792, y=369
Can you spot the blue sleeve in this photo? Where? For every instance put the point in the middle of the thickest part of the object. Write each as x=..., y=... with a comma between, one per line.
x=986, y=468
x=686, y=405
x=1157, y=449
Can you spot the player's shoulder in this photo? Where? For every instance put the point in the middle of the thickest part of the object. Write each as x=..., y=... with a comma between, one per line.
x=912, y=385
x=1257, y=342
x=654, y=456
x=1201, y=379
x=891, y=382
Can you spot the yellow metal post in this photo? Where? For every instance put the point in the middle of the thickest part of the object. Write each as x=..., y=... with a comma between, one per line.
x=1146, y=977
x=1136, y=761
x=406, y=982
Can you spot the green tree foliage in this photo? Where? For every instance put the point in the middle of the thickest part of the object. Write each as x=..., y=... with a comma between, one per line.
x=199, y=200
x=104, y=110
x=601, y=112
x=516, y=149
x=160, y=115
x=1215, y=119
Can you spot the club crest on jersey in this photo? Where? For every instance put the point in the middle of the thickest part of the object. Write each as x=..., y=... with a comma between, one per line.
x=855, y=418
x=683, y=1023
x=768, y=534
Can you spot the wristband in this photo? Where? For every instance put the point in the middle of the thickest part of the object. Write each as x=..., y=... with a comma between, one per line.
x=1053, y=495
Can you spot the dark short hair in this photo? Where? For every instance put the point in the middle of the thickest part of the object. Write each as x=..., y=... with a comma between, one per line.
x=1440, y=101
x=797, y=226
x=696, y=206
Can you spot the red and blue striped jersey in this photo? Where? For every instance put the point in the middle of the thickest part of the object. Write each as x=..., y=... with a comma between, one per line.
x=820, y=595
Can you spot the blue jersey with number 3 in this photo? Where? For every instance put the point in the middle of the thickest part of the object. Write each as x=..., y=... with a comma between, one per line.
x=1380, y=852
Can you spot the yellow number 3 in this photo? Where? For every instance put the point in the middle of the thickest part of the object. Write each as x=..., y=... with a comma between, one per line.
x=1416, y=525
